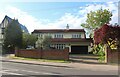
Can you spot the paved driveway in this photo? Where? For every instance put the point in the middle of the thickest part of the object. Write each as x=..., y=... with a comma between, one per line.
x=87, y=58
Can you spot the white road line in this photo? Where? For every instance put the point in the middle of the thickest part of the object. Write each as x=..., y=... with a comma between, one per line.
x=6, y=70
x=10, y=69
x=11, y=73
x=46, y=73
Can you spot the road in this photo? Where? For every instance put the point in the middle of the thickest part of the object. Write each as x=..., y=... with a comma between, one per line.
x=12, y=68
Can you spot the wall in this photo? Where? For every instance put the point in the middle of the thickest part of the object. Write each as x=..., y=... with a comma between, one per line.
x=44, y=54
x=113, y=56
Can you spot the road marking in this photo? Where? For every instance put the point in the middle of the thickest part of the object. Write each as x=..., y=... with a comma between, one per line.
x=8, y=71
x=11, y=73
x=46, y=73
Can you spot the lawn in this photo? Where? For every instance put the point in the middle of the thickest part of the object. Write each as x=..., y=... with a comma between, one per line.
x=41, y=60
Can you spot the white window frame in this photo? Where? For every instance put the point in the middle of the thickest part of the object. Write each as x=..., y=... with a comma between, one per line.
x=58, y=36
x=76, y=35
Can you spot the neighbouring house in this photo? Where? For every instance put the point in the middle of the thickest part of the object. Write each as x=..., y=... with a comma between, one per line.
x=75, y=39
x=3, y=25
x=5, y=22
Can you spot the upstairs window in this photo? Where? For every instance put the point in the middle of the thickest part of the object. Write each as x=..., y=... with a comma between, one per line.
x=58, y=36
x=76, y=36
x=40, y=35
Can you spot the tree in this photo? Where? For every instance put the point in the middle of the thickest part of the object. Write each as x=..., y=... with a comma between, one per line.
x=28, y=40
x=95, y=19
x=13, y=36
x=108, y=34
x=43, y=43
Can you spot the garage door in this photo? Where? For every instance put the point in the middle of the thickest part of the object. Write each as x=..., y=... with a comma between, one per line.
x=79, y=49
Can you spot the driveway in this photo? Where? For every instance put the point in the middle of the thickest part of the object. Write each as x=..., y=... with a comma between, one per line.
x=84, y=58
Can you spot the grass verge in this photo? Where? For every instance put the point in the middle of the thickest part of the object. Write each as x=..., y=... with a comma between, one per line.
x=41, y=60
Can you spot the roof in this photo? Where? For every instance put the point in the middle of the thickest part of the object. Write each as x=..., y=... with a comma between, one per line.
x=10, y=19
x=57, y=30
x=71, y=40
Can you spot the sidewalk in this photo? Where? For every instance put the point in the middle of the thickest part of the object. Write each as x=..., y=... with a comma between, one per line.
x=72, y=65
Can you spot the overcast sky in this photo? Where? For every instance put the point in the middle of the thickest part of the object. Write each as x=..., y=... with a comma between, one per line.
x=52, y=15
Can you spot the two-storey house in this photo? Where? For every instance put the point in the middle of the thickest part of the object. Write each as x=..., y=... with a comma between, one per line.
x=4, y=24
x=75, y=39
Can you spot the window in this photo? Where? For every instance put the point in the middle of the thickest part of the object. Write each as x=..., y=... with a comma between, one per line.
x=58, y=36
x=40, y=35
x=58, y=46
x=76, y=36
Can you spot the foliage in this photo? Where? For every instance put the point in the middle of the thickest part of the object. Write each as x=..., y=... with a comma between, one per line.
x=43, y=43
x=109, y=35
x=28, y=40
x=13, y=35
x=100, y=51
x=39, y=43
x=95, y=19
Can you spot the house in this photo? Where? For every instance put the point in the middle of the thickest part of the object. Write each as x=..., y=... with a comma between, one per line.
x=75, y=39
x=5, y=22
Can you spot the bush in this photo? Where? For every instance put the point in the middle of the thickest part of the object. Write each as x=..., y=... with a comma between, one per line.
x=43, y=43
x=100, y=51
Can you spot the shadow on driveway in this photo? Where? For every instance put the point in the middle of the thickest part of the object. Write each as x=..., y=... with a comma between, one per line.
x=85, y=59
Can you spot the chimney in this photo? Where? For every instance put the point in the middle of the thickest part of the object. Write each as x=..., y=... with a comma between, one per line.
x=67, y=27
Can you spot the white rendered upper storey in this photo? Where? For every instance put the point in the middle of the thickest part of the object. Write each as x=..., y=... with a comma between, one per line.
x=60, y=33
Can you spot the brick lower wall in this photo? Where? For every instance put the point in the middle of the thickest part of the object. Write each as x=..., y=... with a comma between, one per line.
x=113, y=56
x=44, y=54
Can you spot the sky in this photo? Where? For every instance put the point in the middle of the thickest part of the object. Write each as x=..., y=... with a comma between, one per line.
x=54, y=15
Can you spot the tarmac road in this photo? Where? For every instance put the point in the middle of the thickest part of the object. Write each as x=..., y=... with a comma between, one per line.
x=24, y=69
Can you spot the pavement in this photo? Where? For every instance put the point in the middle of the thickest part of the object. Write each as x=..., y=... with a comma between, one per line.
x=82, y=64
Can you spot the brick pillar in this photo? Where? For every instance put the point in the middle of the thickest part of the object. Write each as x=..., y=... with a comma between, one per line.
x=112, y=56
x=66, y=53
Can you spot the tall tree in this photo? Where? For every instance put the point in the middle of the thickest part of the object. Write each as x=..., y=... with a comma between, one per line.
x=13, y=35
x=95, y=19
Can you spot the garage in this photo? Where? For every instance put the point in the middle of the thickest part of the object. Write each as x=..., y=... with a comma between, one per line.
x=79, y=49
